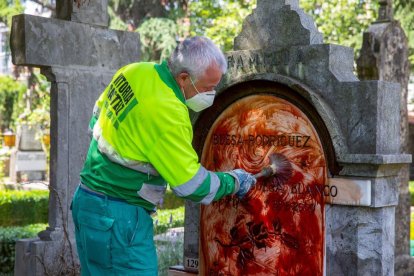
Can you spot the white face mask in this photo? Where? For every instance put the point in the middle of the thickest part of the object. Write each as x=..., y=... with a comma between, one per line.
x=201, y=101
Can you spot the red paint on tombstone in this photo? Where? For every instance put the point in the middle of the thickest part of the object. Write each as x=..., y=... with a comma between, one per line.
x=278, y=228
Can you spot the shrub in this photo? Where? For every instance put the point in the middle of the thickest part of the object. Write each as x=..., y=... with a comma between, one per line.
x=169, y=218
x=171, y=201
x=18, y=208
x=8, y=237
x=169, y=249
x=169, y=253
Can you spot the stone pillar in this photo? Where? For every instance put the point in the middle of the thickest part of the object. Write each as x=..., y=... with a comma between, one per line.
x=384, y=56
x=78, y=54
x=411, y=140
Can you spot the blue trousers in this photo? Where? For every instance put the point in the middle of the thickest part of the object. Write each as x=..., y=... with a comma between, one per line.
x=112, y=237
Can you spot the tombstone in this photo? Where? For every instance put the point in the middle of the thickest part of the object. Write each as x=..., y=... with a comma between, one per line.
x=287, y=92
x=78, y=55
x=384, y=57
x=28, y=159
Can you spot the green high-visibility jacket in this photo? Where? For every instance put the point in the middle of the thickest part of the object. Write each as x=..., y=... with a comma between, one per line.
x=142, y=140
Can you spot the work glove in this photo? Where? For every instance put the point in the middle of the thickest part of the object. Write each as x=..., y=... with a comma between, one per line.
x=245, y=181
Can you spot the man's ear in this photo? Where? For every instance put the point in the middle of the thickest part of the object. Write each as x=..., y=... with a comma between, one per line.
x=181, y=78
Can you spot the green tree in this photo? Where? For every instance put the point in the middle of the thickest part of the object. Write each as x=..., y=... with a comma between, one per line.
x=403, y=5
x=220, y=20
x=156, y=21
x=33, y=105
x=140, y=10
x=8, y=8
x=9, y=93
x=158, y=38
x=404, y=13
x=115, y=22
x=342, y=21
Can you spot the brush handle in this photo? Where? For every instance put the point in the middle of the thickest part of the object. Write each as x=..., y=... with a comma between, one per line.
x=266, y=172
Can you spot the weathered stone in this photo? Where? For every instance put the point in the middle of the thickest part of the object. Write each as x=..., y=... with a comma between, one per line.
x=191, y=234
x=385, y=192
x=359, y=241
x=372, y=105
x=76, y=44
x=385, y=12
x=26, y=257
x=93, y=12
x=277, y=24
x=331, y=81
x=73, y=92
x=384, y=56
x=79, y=60
x=411, y=141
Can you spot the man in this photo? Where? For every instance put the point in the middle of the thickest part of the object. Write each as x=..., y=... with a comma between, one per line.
x=142, y=139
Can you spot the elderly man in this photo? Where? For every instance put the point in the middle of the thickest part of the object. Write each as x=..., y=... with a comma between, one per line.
x=142, y=140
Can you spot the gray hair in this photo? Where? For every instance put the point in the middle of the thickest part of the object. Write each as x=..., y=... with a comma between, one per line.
x=194, y=55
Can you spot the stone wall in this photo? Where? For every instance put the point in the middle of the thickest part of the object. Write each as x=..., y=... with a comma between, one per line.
x=411, y=141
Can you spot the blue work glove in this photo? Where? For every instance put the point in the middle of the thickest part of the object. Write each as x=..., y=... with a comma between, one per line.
x=245, y=181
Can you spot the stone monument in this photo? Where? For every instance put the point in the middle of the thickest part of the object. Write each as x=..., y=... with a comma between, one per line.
x=287, y=92
x=78, y=54
x=384, y=56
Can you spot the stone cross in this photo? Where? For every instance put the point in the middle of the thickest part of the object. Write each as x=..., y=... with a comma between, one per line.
x=78, y=54
x=384, y=56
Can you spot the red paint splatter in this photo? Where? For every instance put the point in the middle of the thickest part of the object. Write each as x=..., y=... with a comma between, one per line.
x=278, y=228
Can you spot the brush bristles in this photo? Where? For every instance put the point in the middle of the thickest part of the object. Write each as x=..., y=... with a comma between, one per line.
x=282, y=168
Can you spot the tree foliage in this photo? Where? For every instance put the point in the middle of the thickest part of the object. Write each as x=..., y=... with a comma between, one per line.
x=115, y=22
x=219, y=20
x=158, y=38
x=33, y=105
x=140, y=10
x=403, y=5
x=8, y=8
x=342, y=21
x=404, y=13
x=9, y=94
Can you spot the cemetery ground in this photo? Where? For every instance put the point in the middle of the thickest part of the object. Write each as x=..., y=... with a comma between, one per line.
x=24, y=213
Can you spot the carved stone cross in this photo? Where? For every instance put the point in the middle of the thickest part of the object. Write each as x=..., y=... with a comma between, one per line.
x=78, y=54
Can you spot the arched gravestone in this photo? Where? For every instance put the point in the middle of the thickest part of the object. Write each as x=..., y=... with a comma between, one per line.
x=263, y=232
x=286, y=91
